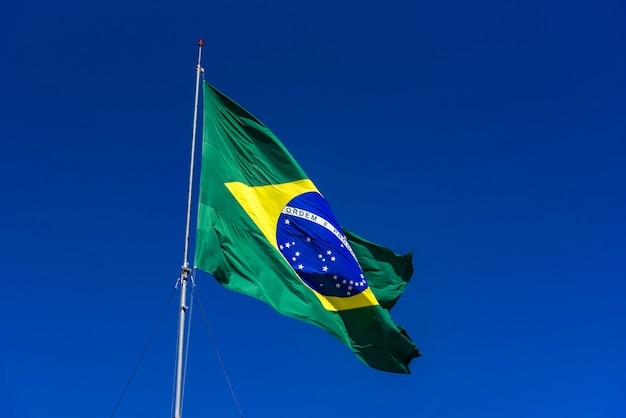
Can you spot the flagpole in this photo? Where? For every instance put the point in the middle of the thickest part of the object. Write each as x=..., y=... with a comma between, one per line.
x=185, y=271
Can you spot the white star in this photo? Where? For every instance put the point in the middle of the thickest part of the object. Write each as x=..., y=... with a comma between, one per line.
x=329, y=252
x=332, y=258
x=297, y=253
x=287, y=221
x=293, y=243
x=325, y=268
x=323, y=259
x=335, y=277
x=362, y=276
x=319, y=256
x=308, y=239
x=351, y=281
x=349, y=287
x=287, y=245
x=321, y=284
x=348, y=293
x=281, y=246
x=344, y=281
x=300, y=266
x=294, y=258
x=338, y=285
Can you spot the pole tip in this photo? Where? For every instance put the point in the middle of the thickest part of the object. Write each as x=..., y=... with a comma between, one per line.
x=200, y=43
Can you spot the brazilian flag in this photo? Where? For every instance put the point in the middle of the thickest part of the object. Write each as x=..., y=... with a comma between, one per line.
x=266, y=231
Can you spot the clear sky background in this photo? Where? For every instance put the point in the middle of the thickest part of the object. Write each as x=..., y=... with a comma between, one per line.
x=488, y=137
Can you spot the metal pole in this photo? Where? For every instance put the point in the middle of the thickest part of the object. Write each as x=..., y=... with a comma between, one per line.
x=185, y=270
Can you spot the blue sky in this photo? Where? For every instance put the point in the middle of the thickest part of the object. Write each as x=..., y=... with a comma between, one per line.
x=487, y=137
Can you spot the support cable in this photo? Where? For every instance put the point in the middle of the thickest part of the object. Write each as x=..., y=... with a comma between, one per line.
x=219, y=356
x=132, y=375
